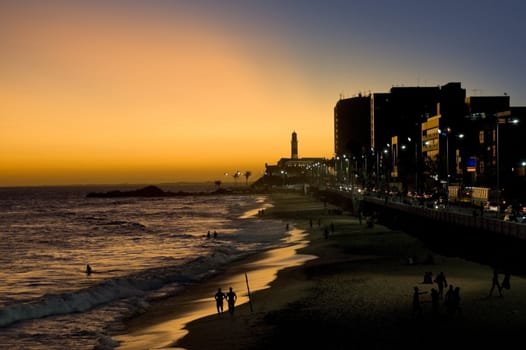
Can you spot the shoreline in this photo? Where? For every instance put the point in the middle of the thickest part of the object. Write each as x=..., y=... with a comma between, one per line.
x=356, y=293
x=163, y=323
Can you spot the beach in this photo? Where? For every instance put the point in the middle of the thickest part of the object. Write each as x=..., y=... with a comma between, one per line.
x=352, y=288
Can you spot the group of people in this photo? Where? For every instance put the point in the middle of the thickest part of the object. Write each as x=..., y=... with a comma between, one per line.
x=440, y=280
x=229, y=296
x=500, y=286
x=451, y=297
x=208, y=235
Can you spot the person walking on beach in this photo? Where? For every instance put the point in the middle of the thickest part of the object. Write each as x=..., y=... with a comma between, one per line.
x=495, y=283
x=360, y=216
x=88, y=269
x=231, y=298
x=219, y=297
x=441, y=282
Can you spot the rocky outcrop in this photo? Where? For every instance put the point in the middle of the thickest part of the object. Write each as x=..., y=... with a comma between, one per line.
x=149, y=191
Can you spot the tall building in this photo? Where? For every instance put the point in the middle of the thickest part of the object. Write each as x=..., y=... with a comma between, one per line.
x=352, y=127
x=382, y=131
x=480, y=142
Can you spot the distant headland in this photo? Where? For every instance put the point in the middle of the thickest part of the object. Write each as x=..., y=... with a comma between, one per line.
x=151, y=192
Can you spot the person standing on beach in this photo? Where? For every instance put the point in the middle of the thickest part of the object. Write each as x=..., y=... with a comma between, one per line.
x=506, y=281
x=417, y=307
x=449, y=299
x=453, y=300
x=231, y=298
x=434, y=300
x=219, y=297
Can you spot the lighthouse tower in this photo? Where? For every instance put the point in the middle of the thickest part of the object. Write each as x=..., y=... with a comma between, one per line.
x=294, y=146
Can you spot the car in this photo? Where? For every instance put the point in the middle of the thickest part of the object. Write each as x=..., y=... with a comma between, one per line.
x=491, y=207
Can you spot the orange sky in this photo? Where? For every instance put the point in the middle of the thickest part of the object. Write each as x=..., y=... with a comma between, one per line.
x=91, y=98
x=160, y=91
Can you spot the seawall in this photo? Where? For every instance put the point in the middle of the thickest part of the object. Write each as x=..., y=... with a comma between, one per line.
x=451, y=232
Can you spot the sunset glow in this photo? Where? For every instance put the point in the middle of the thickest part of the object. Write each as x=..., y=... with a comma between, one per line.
x=120, y=91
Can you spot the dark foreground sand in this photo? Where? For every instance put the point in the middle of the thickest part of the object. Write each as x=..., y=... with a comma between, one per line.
x=356, y=294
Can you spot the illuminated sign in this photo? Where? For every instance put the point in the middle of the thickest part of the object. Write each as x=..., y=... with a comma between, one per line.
x=472, y=165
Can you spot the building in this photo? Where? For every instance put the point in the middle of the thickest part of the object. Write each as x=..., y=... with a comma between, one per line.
x=380, y=134
x=294, y=169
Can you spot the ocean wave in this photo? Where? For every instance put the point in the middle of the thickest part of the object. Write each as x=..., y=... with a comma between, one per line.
x=137, y=285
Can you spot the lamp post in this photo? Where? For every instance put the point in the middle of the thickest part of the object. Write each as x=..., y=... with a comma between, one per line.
x=501, y=118
x=446, y=133
x=346, y=171
x=447, y=158
x=498, y=169
x=415, y=143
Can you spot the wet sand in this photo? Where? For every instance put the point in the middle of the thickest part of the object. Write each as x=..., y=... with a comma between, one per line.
x=357, y=293
x=164, y=322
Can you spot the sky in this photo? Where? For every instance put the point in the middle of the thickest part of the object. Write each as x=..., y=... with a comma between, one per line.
x=130, y=91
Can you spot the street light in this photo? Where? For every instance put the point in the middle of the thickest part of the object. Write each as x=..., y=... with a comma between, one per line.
x=501, y=118
x=346, y=171
x=446, y=133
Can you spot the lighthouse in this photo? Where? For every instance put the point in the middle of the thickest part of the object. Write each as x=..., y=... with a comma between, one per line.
x=294, y=146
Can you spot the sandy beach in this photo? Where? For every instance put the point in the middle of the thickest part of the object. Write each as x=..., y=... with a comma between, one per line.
x=352, y=289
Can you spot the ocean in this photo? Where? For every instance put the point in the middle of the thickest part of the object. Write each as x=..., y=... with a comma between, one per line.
x=139, y=249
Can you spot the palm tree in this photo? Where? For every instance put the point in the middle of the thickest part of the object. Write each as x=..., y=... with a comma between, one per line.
x=248, y=173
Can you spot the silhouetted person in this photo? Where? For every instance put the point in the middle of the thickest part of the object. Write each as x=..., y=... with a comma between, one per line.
x=449, y=298
x=441, y=282
x=231, y=298
x=215, y=234
x=417, y=307
x=208, y=235
x=219, y=297
x=506, y=281
x=495, y=283
x=88, y=269
x=428, y=277
x=452, y=300
x=455, y=305
x=434, y=300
